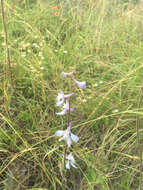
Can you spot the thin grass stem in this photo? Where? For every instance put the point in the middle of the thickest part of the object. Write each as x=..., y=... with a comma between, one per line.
x=6, y=41
x=138, y=137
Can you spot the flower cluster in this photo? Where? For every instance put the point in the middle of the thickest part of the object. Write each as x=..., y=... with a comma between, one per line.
x=63, y=102
x=60, y=101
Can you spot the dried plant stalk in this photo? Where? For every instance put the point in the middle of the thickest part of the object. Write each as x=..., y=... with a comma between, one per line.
x=6, y=41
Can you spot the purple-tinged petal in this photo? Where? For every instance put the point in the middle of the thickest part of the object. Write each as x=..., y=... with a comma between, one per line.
x=74, y=138
x=62, y=155
x=69, y=128
x=69, y=142
x=71, y=109
x=70, y=124
x=64, y=74
x=81, y=85
x=66, y=107
x=67, y=164
x=61, y=97
x=69, y=95
x=59, y=133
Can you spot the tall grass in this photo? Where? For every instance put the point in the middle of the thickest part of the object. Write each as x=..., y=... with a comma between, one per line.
x=103, y=42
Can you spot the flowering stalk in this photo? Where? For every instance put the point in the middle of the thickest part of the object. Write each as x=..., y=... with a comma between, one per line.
x=68, y=122
x=66, y=135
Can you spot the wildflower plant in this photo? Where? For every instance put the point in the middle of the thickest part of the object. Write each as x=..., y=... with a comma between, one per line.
x=63, y=101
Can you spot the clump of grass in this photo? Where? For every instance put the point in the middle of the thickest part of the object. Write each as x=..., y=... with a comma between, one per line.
x=103, y=41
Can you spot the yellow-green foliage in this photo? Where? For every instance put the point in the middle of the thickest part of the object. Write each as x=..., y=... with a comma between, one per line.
x=102, y=41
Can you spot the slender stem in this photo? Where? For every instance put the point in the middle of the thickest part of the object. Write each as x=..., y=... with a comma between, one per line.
x=64, y=173
x=138, y=138
x=6, y=41
x=68, y=122
x=69, y=112
x=65, y=151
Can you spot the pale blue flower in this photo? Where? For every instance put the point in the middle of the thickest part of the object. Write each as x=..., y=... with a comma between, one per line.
x=67, y=136
x=81, y=85
x=65, y=108
x=61, y=97
x=64, y=74
x=70, y=161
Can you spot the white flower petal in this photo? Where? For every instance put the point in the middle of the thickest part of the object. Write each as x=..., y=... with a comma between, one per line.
x=61, y=113
x=71, y=158
x=81, y=85
x=68, y=95
x=70, y=155
x=60, y=94
x=66, y=105
x=64, y=74
x=74, y=138
x=59, y=103
x=67, y=164
x=73, y=165
x=59, y=133
x=69, y=142
x=60, y=98
x=61, y=139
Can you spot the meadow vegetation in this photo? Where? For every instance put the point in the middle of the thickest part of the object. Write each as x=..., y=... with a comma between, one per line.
x=103, y=42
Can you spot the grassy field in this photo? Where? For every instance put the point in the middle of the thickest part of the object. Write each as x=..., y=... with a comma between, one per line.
x=103, y=42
